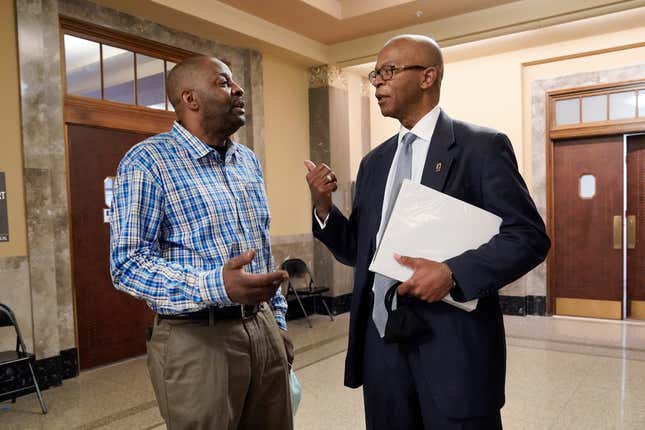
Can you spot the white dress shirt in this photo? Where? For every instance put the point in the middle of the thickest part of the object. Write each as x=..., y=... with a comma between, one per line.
x=423, y=129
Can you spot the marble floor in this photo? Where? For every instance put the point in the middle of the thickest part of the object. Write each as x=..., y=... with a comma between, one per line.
x=562, y=374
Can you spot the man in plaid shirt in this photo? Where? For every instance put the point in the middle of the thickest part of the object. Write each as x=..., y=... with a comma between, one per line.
x=190, y=236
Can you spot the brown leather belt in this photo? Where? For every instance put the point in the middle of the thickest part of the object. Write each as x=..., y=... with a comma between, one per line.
x=213, y=313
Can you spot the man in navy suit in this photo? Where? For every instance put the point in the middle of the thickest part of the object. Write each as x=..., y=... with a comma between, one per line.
x=451, y=375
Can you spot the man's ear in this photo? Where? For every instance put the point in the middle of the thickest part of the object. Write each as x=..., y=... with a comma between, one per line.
x=429, y=77
x=190, y=99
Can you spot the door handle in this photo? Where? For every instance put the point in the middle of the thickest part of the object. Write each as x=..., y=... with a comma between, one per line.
x=631, y=232
x=618, y=232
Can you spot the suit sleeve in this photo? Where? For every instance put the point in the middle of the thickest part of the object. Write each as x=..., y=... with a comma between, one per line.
x=340, y=234
x=522, y=242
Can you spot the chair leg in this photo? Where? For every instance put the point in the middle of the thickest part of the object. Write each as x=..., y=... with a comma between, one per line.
x=43, y=408
x=326, y=308
x=302, y=307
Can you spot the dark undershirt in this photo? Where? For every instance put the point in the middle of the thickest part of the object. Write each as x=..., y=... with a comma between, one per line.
x=222, y=149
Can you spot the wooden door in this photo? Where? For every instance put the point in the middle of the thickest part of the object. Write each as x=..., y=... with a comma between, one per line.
x=587, y=272
x=111, y=324
x=636, y=227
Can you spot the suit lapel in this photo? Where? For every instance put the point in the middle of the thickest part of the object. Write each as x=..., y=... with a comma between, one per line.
x=439, y=158
x=381, y=169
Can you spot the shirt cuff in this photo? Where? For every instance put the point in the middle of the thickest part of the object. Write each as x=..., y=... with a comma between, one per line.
x=211, y=288
x=322, y=224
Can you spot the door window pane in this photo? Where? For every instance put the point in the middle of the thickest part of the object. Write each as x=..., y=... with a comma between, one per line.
x=169, y=66
x=641, y=103
x=594, y=108
x=587, y=187
x=151, y=82
x=622, y=105
x=118, y=74
x=567, y=111
x=82, y=67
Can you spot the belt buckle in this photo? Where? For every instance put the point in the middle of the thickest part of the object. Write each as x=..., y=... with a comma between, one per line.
x=246, y=315
x=243, y=312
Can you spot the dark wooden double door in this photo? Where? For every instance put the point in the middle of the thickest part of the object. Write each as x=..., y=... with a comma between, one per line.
x=598, y=257
x=111, y=325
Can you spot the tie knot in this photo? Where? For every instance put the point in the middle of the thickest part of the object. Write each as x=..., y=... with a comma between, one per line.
x=408, y=138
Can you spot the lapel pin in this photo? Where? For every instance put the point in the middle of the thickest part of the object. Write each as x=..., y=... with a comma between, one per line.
x=437, y=167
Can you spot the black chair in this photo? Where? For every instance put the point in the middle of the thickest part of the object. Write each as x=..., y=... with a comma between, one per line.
x=18, y=357
x=296, y=268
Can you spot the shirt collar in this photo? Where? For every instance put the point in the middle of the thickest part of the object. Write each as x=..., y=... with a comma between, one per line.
x=424, y=128
x=195, y=147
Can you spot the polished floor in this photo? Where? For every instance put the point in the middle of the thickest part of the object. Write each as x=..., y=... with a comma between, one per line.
x=562, y=374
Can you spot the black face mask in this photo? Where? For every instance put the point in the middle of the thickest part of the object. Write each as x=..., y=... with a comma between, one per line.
x=404, y=324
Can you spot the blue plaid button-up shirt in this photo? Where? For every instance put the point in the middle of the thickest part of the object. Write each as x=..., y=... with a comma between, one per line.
x=180, y=211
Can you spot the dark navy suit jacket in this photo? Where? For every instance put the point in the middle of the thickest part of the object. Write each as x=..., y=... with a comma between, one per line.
x=466, y=353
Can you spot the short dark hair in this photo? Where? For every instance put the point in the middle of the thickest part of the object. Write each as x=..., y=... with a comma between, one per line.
x=182, y=76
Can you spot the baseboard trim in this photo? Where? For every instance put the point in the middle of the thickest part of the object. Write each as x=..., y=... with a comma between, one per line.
x=50, y=372
x=523, y=305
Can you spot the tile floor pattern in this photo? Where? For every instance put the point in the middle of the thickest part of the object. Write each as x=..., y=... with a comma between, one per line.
x=562, y=374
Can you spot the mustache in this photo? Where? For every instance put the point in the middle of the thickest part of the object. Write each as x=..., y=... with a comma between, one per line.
x=238, y=102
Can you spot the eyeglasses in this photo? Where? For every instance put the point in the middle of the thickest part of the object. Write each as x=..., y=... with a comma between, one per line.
x=387, y=72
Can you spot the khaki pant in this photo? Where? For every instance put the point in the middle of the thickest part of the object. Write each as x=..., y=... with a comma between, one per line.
x=231, y=375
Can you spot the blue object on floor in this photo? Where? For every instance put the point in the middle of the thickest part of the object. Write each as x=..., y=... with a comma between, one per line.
x=296, y=391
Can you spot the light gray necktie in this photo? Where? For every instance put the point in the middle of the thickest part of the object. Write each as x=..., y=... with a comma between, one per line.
x=383, y=283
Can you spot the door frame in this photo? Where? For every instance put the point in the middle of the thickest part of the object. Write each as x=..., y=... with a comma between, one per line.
x=601, y=128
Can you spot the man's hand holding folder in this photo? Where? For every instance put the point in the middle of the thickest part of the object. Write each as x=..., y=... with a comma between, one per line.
x=430, y=282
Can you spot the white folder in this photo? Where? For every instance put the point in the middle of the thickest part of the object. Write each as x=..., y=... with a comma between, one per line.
x=430, y=224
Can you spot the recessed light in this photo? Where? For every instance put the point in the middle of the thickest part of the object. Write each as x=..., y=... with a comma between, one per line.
x=419, y=13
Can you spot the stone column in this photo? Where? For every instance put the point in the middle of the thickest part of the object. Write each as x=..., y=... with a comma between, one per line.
x=45, y=179
x=329, y=143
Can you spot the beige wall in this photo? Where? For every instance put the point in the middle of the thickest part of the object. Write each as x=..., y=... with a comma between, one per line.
x=286, y=136
x=10, y=144
x=486, y=91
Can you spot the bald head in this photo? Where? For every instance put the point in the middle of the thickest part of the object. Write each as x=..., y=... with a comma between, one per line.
x=185, y=76
x=425, y=50
x=407, y=78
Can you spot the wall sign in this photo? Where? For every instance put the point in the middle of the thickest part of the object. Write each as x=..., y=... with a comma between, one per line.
x=108, y=194
x=4, y=223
